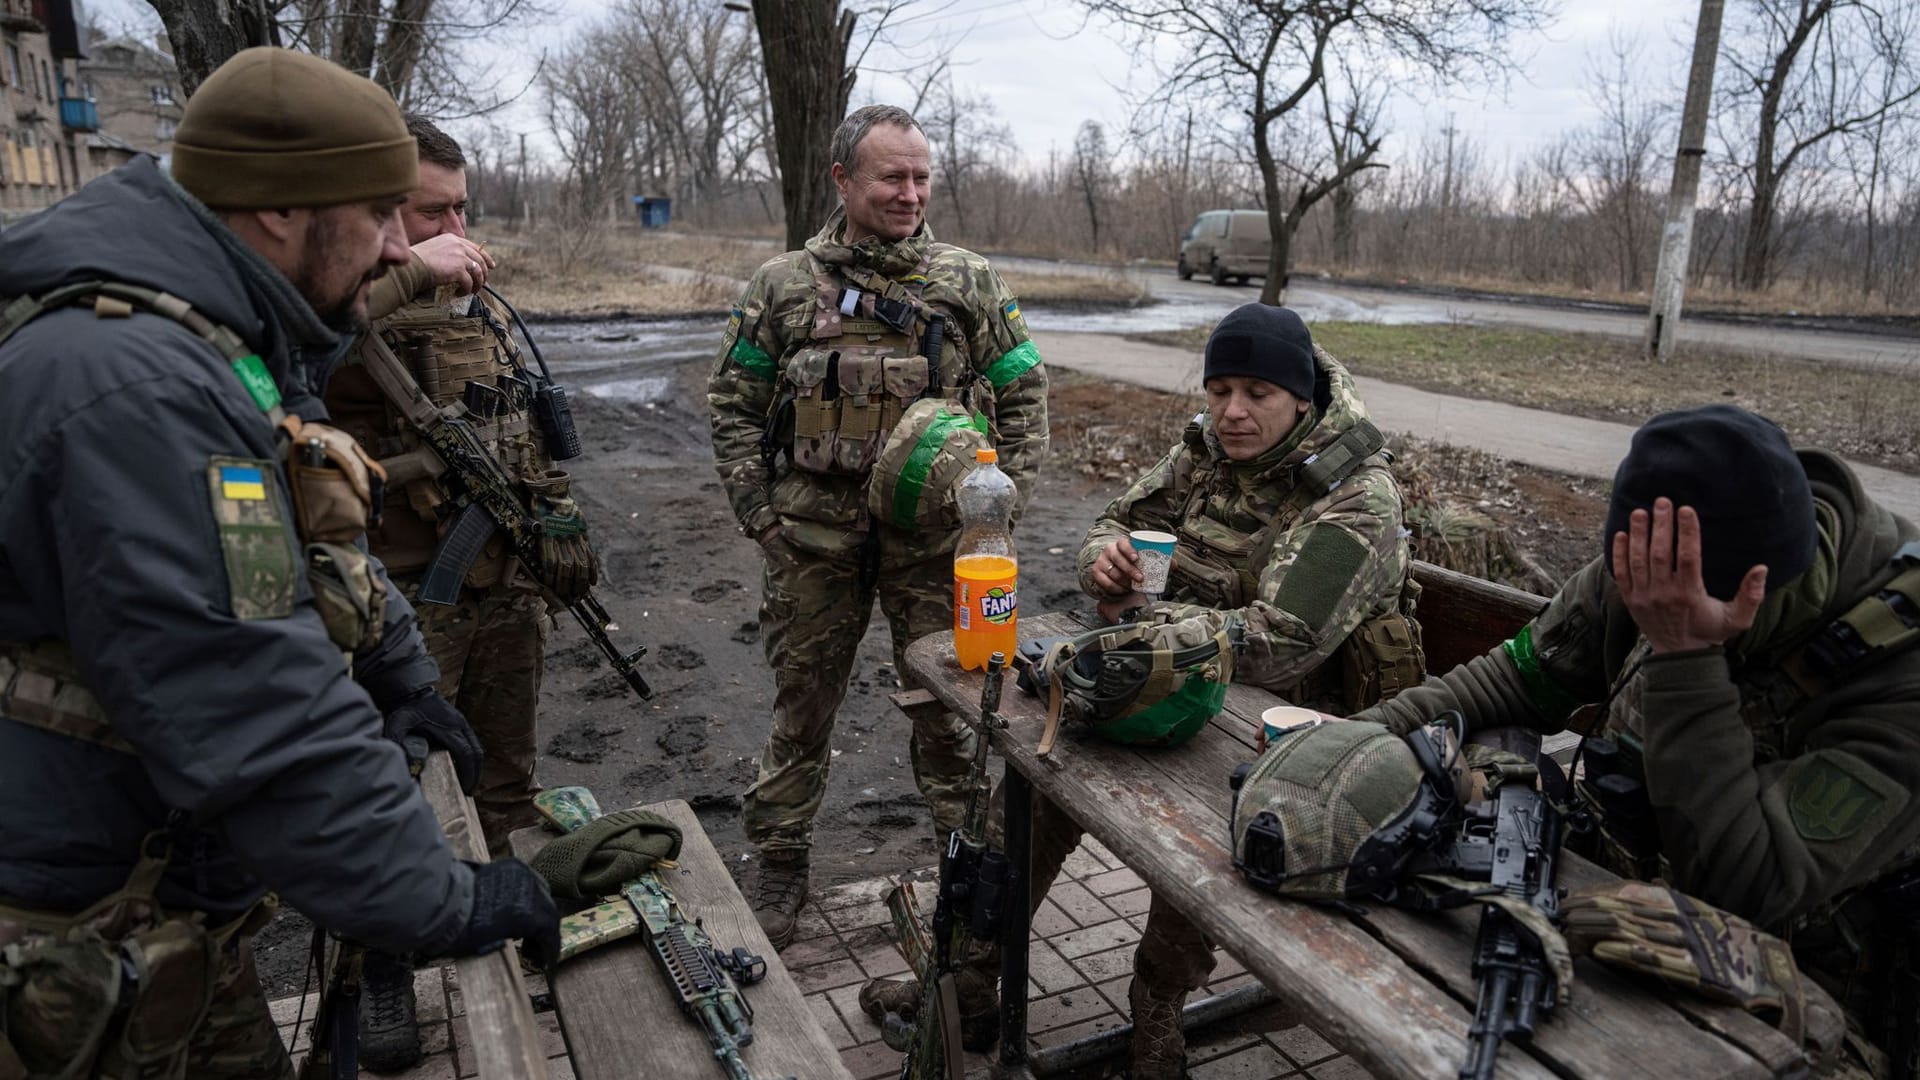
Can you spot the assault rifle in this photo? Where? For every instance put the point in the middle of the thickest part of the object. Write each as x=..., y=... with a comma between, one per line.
x=487, y=503
x=1514, y=845
x=973, y=895
x=706, y=979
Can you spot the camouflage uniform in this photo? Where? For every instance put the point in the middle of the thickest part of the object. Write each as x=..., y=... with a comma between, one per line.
x=1783, y=800
x=812, y=324
x=491, y=644
x=1310, y=573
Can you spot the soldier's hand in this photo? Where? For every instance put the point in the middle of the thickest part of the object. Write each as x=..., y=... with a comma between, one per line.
x=455, y=260
x=1116, y=570
x=510, y=900
x=427, y=715
x=1112, y=608
x=1660, y=583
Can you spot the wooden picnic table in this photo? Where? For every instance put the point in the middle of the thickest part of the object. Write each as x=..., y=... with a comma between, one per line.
x=620, y=1020
x=1390, y=987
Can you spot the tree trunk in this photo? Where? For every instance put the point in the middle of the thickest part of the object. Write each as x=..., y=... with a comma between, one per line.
x=205, y=34
x=1756, y=258
x=1274, y=287
x=804, y=43
x=400, y=51
x=1344, y=244
x=359, y=32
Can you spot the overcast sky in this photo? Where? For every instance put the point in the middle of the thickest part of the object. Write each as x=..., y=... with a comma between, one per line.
x=1047, y=71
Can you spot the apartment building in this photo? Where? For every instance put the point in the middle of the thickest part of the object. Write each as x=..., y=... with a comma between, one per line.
x=50, y=142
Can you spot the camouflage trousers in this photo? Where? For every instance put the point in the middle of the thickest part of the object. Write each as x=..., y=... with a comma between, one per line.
x=813, y=614
x=1173, y=955
x=491, y=647
x=236, y=1040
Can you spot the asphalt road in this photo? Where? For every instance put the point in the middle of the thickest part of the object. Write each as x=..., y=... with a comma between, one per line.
x=1197, y=303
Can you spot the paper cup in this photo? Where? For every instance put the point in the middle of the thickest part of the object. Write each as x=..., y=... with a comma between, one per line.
x=1280, y=718
x=1156, y=558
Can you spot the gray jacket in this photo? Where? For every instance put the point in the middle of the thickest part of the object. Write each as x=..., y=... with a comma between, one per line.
x=108, y=541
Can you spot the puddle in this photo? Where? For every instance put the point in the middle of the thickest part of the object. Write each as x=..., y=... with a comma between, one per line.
x=632, y=391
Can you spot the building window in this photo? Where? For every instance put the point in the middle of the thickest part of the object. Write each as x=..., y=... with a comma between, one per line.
x=163, y=129
x=46, y=79
x=162, y=94
x=13, y=65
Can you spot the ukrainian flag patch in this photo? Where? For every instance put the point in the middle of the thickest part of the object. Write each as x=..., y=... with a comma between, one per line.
x=1012, y=309
x=242, y=483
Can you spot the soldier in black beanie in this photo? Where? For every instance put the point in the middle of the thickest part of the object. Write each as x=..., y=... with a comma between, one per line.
x=1745, y=645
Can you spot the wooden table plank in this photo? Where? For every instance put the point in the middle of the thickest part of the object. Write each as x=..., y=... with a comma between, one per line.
x=621, y=1021
x=500, y=1023
x=1393, y=997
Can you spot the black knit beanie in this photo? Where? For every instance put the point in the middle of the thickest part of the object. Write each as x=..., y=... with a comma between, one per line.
x=1741, y=477
x=1269, y=343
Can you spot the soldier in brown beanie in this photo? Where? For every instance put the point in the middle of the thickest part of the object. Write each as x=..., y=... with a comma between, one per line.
x=203, y=677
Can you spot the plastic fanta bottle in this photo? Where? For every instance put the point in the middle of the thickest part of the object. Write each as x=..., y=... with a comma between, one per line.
x=985, y=571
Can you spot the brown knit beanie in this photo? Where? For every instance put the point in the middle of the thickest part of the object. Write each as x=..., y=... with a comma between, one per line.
x=275, y=128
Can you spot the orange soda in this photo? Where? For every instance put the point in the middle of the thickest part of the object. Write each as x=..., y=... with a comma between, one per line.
x=985, y=569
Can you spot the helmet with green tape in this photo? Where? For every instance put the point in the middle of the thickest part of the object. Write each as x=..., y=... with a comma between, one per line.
x=926, y=454
x=1340, y=810
x=1151, y=683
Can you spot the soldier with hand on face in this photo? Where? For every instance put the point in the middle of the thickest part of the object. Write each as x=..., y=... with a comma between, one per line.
x=1290, y=550
x=203, y=677
x=829, y=349
x=490, y=643
x=1741, y=654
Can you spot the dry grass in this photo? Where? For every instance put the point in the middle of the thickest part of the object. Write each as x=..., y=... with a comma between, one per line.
x=607, y=277
x=1870, y=414
x=1108, y=290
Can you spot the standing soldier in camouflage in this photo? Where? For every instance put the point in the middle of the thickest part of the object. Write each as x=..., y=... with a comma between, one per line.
x=491, y=643
x=1747, y=635
x=827, y=350
x=202, y=676
x=1290, y=539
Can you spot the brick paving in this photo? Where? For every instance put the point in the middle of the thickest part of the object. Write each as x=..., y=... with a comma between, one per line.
x=1079, y=972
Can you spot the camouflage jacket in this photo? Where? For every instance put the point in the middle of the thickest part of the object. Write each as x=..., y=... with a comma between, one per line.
x=444, y=348
x=1769, y=804
x=1302, y=570
x=784, y=309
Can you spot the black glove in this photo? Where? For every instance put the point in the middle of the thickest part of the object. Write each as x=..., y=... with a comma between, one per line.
x=425, y=721
x=510, y=901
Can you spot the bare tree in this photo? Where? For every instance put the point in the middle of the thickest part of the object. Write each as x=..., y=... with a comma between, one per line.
x=1092, y=172
x=1617, y=158
x=1353, y=133
x=965, y=138
x=1265, y=57
x=1798, y=74
x=804, y=44
x=594, y=119
x=205, y=34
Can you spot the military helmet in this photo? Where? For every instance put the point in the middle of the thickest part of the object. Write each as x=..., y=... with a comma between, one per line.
x=926, y=454
x=1338, y=810
x=1153, y=683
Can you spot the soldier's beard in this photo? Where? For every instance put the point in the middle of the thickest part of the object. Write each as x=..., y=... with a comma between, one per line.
x=341, y=309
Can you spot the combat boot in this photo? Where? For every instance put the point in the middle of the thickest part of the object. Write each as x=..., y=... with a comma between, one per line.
x=389, y=1025
x=1159, y=1042
x=979, y=1006
x=779, y=894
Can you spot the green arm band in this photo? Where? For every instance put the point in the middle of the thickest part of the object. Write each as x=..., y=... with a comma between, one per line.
x=1548, y=696
x=913, y=475
x=754, y=360
x=1019, y=360
x=253, y=375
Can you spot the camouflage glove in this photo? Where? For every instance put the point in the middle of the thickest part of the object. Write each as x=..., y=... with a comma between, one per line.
x=1655, y=930
x=567, y=563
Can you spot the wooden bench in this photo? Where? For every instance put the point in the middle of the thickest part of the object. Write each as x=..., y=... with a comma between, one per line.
x=621, y=1021
x=500, y=1023
x=1391, y=988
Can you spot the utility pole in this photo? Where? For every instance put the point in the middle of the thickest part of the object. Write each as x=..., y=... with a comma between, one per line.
x=1676, y=238
x=520, y=186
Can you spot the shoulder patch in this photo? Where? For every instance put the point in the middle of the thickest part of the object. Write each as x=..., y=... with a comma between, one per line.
x=1833, y=796
x=251, y=515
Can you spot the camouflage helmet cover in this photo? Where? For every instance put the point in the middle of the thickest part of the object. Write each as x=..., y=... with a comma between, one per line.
x=1151, y=683
x=925, y=457
x=1336, y=811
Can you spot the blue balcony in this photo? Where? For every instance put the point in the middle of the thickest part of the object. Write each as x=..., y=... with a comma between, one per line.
x=79, y=114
